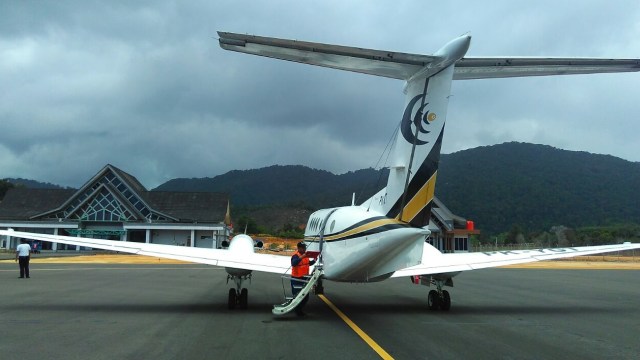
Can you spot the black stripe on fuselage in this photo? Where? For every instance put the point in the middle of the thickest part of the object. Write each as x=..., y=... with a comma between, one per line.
x=367, y=227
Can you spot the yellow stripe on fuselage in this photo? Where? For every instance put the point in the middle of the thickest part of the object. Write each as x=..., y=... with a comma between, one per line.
x=420, y=199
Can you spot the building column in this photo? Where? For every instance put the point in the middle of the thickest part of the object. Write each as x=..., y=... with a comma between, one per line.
x=193, y=238
x=147, y=236
x=54, y=246
x=77, y=246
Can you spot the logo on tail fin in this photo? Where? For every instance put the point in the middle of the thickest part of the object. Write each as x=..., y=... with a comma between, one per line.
x=420, y=119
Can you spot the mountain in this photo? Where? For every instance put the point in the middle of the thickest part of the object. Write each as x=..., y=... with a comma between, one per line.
x=8, y=183
x=538, y=186
x=499, y=186
x=33, y=184
x=284, y=185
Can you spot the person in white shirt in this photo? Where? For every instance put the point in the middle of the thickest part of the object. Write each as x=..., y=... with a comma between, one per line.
x=23, y=255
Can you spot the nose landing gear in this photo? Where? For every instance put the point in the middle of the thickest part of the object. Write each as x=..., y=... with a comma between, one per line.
x=238, y=296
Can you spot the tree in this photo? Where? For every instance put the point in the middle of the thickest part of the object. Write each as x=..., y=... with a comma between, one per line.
x=245, y=222
x=561, y=233
x=4, y=187
x=515, y=235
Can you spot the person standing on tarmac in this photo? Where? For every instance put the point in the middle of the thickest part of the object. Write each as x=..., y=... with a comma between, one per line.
x=23, y=255
x=300, y=263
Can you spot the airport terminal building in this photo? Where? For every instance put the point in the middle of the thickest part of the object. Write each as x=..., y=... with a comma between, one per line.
x=449, y=232
x=114, y=205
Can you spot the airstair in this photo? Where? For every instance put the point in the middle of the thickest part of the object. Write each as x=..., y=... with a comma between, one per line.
x=291, y=303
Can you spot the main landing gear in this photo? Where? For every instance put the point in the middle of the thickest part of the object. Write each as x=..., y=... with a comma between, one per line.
x=318, y=289
x=439, y=299
x=239, y=296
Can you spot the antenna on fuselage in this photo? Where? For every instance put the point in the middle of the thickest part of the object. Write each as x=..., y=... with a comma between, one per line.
x=353, y=199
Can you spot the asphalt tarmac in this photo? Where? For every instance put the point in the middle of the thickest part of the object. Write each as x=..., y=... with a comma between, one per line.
x=90, y=311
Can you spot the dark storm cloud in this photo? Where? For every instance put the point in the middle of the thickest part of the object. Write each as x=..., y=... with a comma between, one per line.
x=144, y=85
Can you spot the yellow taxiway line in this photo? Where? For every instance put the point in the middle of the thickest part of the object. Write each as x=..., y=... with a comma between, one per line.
x=383, y=354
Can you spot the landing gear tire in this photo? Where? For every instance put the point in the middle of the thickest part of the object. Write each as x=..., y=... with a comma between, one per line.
x=445, y=301
x=434, y=300
x=243, y=300
x=233, y=299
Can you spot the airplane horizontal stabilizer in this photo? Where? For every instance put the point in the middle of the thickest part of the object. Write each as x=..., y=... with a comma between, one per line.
x=398, y=65
x=469, y=68
x=389, y=64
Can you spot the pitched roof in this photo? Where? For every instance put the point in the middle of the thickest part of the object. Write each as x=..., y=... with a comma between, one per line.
x=21, y=203
x=46, y=204
x=189, y=206
x=450, y=219
x=130, y=179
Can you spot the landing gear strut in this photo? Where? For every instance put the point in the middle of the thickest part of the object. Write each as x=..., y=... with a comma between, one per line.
x=238, y=296
x=318, y=289
x=439, y=299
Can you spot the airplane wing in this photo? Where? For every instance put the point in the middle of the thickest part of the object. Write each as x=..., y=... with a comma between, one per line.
x=434, y=262
x=402, y=66
x=249, y=261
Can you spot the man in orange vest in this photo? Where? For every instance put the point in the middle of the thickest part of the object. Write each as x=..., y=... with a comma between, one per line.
x=300, y=263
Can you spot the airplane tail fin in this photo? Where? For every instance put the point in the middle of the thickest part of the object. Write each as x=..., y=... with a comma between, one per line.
x=415, y=155
x=416, y=151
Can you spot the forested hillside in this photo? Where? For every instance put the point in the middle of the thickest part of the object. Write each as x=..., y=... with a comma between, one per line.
x=537, y=186
x=285, y=185
x=533, y=187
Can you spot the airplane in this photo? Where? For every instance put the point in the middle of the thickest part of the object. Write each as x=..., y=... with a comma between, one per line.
x=385, y=236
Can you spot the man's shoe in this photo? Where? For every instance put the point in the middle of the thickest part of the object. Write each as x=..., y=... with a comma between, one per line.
x=20, y=277
x=28, y=277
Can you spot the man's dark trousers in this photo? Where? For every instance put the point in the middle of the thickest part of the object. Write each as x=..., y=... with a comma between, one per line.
x=24, y=265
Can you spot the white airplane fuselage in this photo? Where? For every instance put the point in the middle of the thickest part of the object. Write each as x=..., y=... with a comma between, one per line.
x=359, y=245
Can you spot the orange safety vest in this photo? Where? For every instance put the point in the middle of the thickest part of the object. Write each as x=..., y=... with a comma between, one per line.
x=302, y=269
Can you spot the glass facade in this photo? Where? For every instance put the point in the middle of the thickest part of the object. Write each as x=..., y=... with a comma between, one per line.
x=108, y=199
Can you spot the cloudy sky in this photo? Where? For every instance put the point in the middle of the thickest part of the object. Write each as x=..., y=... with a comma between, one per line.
x=143, y=85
